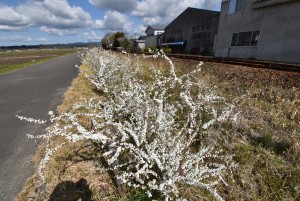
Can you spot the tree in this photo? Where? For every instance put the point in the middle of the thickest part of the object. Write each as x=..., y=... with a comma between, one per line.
x=117, y=39
x=106, y=41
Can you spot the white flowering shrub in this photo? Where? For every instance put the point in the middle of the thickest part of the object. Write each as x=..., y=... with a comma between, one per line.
x=148, y=130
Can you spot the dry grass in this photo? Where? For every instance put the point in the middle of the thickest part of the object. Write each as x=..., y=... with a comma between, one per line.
x=265, y=141
x=80, y=88
x=266, y=138
x=73, y=162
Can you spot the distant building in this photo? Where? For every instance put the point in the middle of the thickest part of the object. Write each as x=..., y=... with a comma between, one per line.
x=193, y=31
x=139, y=44
x=259, y=29
x=154, y=30
x=153, y=36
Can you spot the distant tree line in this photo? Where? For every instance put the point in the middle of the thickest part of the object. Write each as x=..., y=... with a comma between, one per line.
x=43, y=46
x=117, y=40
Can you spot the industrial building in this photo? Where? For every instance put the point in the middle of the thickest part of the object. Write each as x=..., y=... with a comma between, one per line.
x=259, y=29
x=193, y=31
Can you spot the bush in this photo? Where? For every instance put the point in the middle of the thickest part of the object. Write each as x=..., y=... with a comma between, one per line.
x=147, y=130
x=167, y=50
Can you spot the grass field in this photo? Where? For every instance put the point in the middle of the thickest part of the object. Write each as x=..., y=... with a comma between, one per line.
x=14, y=60
x=265, y=141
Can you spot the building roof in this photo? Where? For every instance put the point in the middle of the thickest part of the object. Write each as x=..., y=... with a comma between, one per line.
x=202, y=10
x=140, y=41
x=142, y=37
x=198, y=10
x=155, y=28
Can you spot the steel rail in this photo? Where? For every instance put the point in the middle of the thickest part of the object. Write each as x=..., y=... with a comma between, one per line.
x=242, y=62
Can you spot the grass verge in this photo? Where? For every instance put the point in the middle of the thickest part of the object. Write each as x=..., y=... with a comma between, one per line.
x=265, y=141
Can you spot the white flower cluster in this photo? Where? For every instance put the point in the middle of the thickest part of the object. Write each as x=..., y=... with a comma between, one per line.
x=31, y=120
x=44, y=161
x=150, y=131
x=154, y=125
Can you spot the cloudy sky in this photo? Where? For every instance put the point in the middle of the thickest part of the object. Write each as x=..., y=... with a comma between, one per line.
x=63, y=21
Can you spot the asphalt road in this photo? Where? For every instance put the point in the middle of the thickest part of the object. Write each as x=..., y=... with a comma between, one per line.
x=30, y=92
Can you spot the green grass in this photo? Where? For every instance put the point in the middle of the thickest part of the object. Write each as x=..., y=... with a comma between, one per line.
x=7, y=68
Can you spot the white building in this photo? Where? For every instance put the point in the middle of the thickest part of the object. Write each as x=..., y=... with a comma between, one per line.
x=154, y=30
x=153, y=34
x=139, y=44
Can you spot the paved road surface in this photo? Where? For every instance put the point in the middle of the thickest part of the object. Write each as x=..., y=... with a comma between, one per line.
x=30, y=92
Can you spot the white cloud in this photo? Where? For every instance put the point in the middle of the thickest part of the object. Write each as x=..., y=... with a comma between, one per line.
x=11, y=28
x=114, y=21
x=58, y=32
x=167, y=10
x=55, y=17
x=59, y=18
x=212, y=4
x=56, y=14
x=118, y=5
x=139, y=30
x=21, y=39
x=11, y=20
x=91, y=36
x=10, y=16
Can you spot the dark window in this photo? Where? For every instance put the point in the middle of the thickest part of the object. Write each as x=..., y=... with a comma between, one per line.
x=234, y=39
x=207, y=36
x=249, y=38
x=196, y=29
x=244, y=38
x=255, y=38
x=207, y=27
x=235, y=6
x=202, y=36
x=201, y=28
x=195, y=35
x=239, y=5
x=176, y=33
x=201, y=33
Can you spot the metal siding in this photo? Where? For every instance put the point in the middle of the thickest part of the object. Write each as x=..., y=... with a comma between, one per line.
x=189, y=18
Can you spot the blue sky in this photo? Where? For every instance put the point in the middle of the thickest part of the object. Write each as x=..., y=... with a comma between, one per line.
x=27, y=22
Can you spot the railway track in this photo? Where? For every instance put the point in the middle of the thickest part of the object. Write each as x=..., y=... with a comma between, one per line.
x=249, y=63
